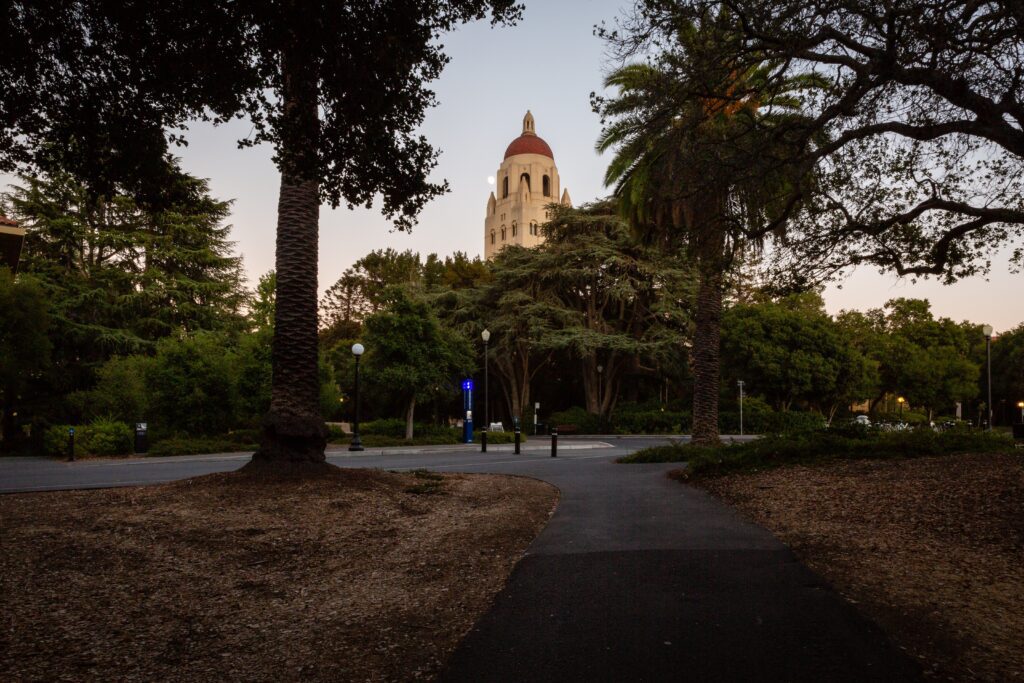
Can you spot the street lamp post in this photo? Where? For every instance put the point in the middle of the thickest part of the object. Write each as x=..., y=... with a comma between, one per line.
x=987, y=331
x=1020, y=404
x=357, y=444
x=486, y=336
x=901, y=401
x=740, y=383
x=600, y=404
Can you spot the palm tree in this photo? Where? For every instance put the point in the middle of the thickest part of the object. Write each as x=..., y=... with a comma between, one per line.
x=704, y=153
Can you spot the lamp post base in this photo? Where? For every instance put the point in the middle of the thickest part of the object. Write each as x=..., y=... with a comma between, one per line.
x=357, y=445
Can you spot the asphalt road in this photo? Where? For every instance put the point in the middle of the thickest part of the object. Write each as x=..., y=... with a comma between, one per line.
x=635, y=578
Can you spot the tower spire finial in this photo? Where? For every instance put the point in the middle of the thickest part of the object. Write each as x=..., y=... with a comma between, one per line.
x=528, y=128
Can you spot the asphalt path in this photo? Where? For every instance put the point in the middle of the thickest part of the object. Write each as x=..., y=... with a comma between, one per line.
x=635, y=578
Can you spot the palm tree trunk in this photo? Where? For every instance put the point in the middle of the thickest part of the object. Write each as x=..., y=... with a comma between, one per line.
x=705, y=354
x=293, y=431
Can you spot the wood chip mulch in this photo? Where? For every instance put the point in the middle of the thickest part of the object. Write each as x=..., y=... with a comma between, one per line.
x=932, y=549
x=357, y=576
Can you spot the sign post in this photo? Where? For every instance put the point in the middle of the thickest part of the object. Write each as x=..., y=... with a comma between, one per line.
x=141, y=442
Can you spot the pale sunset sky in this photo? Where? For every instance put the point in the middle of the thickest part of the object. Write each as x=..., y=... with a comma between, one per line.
x=549, y=63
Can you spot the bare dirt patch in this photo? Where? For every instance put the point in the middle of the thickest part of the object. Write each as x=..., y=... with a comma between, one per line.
x=360, y=575
x=932, y=549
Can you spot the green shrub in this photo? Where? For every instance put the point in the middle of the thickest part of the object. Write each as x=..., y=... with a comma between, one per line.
x=674, y=452
x=106, y=437
x=120, y=392
x=102, y=437
x=55, y=440
x=244, y=436
x=192, y=384
x=501, y=437
x=335, y=434
x=579, y=418
x=790, y=422
x=376, y=441
x=760, y=418
x=908, y=416
x=633, y=419
x=395, y=428
x=386, y=427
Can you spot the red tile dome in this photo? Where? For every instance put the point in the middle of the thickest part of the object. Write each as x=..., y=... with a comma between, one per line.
x=529, y=144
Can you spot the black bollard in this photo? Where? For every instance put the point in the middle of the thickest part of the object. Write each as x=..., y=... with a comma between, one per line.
x=517, y=440
x=554, y=442
x=71, y=444
x=483, y=440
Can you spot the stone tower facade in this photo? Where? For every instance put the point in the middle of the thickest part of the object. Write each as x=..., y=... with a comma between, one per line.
x=527, y=181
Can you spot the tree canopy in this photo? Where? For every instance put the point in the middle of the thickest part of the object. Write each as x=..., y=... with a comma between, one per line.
x=410, y=354
x=920, y=163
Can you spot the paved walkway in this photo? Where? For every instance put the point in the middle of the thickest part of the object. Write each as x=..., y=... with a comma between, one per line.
x=635, y=578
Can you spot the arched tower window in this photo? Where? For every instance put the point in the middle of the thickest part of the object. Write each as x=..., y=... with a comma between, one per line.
x=503, y=233
x=525, y=176
x=514, y=228
x=504, y=188
x=492, y=237
x=547, y=186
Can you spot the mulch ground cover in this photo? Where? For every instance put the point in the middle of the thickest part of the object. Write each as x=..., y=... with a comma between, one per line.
x=358, y=575
x=932, y=549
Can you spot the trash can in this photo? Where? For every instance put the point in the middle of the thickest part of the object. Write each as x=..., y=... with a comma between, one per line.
x=141, y=445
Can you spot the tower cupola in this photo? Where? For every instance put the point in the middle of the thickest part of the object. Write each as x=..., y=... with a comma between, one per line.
x=527, y=182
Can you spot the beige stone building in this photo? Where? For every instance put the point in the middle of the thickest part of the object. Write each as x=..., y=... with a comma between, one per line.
x=527, y=181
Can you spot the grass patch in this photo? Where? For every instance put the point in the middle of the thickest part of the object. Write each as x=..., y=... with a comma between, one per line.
x=820, y=446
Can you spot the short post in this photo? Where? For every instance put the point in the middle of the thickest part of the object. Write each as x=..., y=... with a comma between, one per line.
x=71, y=444
x=517, y=439
x=554, y=442
x=483, y=440
x=740, y=384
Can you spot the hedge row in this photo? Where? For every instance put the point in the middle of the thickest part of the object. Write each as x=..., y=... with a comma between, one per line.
x=820, y=446
x=642, y=419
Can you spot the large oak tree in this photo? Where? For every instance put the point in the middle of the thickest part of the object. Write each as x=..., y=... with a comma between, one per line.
x=101, y=89
x=923, y=173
